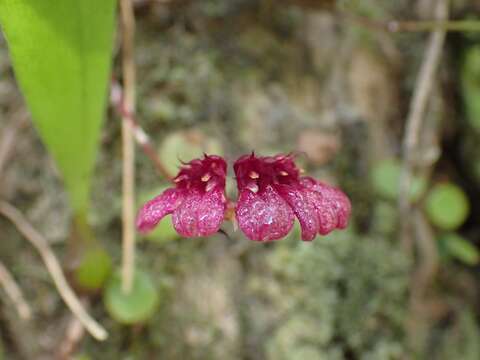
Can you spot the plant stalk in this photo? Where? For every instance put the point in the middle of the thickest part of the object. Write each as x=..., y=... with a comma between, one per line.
x=128, y=146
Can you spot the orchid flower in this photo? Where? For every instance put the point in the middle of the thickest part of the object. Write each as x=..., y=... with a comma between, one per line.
x=197, y=202
x=271, y=194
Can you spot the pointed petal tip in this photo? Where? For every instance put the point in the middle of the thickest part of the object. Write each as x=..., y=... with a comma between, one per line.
x=333, y=205
x=154, y=210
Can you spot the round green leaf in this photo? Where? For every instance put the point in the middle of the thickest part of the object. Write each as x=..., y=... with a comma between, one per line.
x=385, y=178
x=164, y=231
x=94, y=269
x=460, y=248
x=447, y=206
x=134, y=307
x=185, y=146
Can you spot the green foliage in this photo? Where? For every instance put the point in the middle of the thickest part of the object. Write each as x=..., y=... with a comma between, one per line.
x=456, y=246
x=94, y=269
x=61, y=53
x=447, y=206
x=461, y=341
x=470, y=82
x=82, y=357
x=386, y=180
x=136, y=306
x=185, y=146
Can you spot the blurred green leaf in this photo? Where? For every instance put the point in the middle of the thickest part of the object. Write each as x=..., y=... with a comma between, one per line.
x=61, y=54
x=447, y=206
x=185, y=146
x=135, y=307
x=82, y=357
x=470, y=81
x=94, y=269
x=386, y=180
x=460, y=248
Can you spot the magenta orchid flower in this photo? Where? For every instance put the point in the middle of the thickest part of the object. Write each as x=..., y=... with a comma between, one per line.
x=197, y=202
x=272, y=193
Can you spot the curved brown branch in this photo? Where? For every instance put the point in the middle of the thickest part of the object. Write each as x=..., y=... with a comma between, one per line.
x=13, y=291
x=54, y=268
x=141, y=137
x=418, y=106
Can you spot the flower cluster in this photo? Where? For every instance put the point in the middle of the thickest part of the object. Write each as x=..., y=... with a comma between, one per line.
x=271, y=194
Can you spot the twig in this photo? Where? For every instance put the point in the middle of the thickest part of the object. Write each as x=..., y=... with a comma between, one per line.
x=428, y=252
x=422, y=277
x=128, y=184
x=397, y=26
x=54, y=268
x=418, y=105
x=422, y=26
x=141, y=137
x=73, y=335
x=14, y=292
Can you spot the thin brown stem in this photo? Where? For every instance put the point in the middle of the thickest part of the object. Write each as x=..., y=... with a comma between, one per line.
x=73, y=335
x=13, y=291
x=398, y=26
x=54, y=268
x=422, y=26
x=128, y=184
x=418, y=106
x=141, y=137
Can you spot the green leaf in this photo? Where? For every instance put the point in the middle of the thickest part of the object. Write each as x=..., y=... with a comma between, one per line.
x=135, y=307
x=94, y=269
x=447, y=206
x=470, y=81
x=185, y=146
x=385, y=178
x=460, y=248
x=61, y=54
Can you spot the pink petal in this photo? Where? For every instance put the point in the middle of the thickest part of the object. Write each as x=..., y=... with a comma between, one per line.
x=302, y=202
x=263, y=216
x=326, y=214
x=154, y=210
x=200, y=214
x=331, y=201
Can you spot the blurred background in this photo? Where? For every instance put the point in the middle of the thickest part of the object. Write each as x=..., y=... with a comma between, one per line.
x=229, y=77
